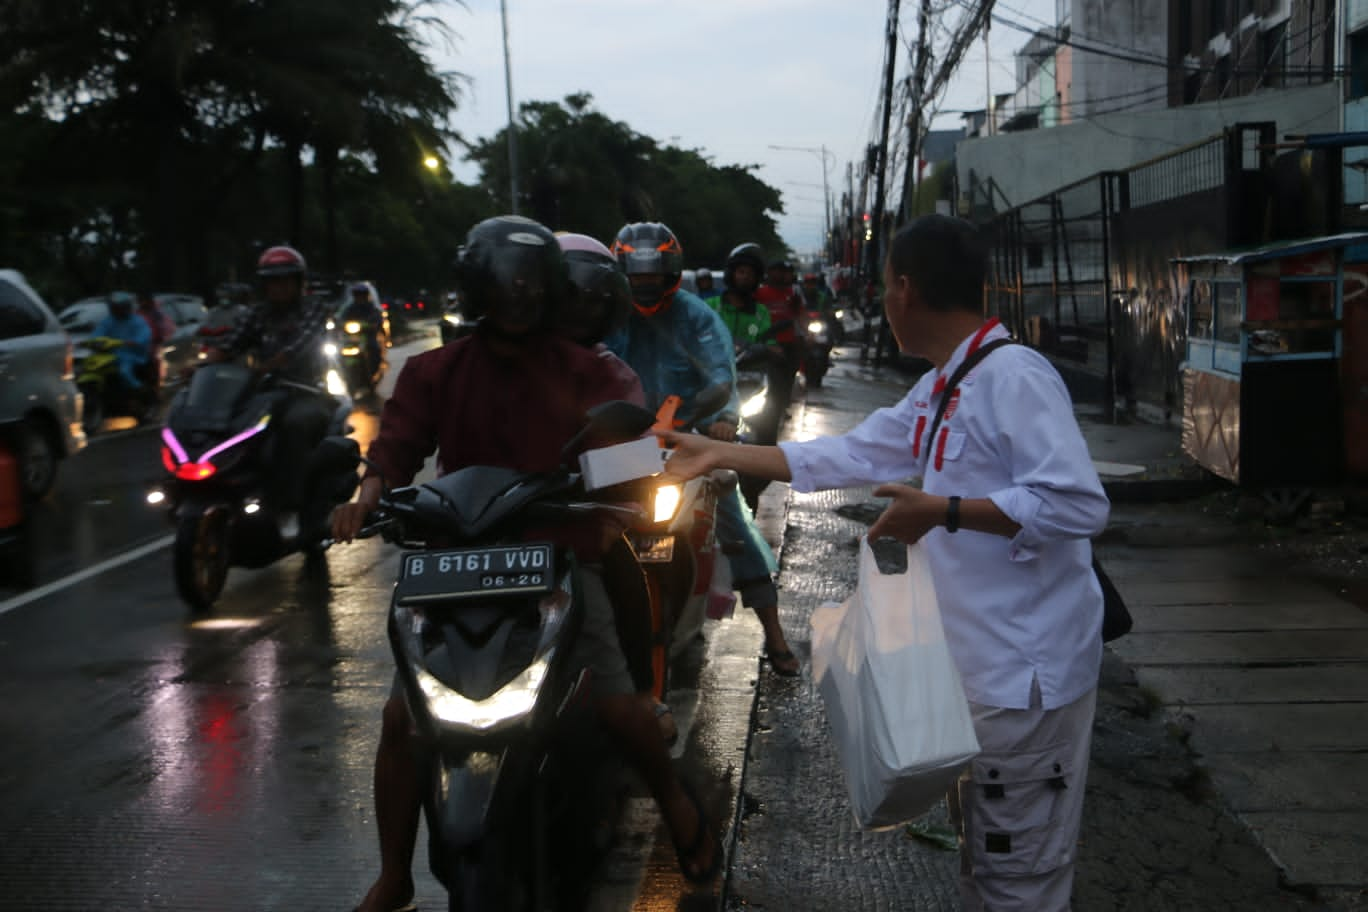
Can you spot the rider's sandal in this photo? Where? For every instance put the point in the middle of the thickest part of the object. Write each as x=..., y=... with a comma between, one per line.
x=666, y=720
x=687, y=855
x=790, y=668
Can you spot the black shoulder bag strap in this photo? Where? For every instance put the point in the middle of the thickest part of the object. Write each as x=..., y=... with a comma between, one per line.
x=1116, y=618
x=969, y=363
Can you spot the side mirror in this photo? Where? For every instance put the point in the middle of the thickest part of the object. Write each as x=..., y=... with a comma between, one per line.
x=611, y=419
x=337, y=454
x=711, y=400
x=619, y=419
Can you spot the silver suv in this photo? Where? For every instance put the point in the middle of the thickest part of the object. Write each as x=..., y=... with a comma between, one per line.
x=40, y=407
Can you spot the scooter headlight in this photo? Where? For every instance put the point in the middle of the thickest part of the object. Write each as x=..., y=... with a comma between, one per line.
x=754, y=405
x=666, y=502
x=351, y=327
x=508, y=706
x=330, y=349
x=840, y=314
x=816, y=326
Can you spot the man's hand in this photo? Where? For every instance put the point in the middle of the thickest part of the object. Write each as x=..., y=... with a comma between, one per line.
x=722, y=430
x=692, y=454
x=348, y=518
x=911, y=515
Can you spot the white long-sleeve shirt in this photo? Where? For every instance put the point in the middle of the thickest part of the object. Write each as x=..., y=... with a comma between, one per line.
x=1014, y=610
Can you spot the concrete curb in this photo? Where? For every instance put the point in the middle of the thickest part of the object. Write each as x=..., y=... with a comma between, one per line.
x=1160, y=490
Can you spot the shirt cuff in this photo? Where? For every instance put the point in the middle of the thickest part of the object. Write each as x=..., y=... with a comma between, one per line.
x=801, y=475
x=1020, y=505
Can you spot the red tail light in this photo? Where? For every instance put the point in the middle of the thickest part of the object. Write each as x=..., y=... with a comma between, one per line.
x=195, y=471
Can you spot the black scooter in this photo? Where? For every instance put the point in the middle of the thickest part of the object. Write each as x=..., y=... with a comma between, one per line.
x=482, y=623
x=219, y=449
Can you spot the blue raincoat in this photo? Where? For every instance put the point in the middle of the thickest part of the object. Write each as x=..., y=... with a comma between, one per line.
x=682, y=350
x=136, y=335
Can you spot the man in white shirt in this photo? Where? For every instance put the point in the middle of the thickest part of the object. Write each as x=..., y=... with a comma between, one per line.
x=1008, y=503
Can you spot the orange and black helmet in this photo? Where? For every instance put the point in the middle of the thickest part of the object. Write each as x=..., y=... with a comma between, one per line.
x=650, y=249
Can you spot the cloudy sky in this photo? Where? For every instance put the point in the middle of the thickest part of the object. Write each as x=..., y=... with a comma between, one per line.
x=728, y=77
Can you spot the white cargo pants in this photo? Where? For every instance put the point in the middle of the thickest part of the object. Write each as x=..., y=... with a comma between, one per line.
x=1019, y=805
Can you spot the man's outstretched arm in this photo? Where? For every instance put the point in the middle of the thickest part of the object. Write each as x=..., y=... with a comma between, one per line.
x=696, y=455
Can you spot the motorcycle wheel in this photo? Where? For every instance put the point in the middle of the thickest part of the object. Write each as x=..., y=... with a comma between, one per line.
x=201, y=558
x=92, y=413
x=814, y=377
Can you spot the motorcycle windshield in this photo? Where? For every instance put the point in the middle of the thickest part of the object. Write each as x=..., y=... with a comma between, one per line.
x=213, y=398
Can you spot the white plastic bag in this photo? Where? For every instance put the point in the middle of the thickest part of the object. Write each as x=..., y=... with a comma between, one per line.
x=892, y=692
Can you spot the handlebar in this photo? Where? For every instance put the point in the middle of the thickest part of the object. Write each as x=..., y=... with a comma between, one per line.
x=389, y=521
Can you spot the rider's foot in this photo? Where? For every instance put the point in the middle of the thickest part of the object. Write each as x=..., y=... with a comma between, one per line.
x=385, y=898
x=697, y=845
x=669, y=730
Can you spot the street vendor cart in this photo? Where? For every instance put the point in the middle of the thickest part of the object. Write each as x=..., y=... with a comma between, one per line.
x=1261, y=380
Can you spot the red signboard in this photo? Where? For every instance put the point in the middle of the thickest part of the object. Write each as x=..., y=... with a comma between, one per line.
x=1310, y=264
x=1262, y=300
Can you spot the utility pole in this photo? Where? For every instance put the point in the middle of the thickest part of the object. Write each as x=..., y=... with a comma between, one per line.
x=876, y=223
x=988, y=79
x=914, y=122
x=512, y=126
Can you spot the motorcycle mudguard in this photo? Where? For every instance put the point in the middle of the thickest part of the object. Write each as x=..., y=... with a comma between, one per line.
x=462, y=795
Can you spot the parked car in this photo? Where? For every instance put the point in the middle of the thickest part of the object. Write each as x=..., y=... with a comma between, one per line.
x=38, y=395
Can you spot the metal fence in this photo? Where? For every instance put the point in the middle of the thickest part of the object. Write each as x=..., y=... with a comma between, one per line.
x=1083, y=273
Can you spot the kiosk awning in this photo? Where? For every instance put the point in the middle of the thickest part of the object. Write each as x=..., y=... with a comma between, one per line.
x=1276, y=250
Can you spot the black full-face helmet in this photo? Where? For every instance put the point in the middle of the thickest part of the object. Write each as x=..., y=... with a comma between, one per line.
x=512, y=275
x=749, y=255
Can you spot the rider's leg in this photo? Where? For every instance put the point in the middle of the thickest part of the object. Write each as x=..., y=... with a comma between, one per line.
x=630, y=719
x=398, y=804
x=753, y=566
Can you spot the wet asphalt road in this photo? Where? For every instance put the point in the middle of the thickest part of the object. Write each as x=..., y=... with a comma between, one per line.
x=148, y=761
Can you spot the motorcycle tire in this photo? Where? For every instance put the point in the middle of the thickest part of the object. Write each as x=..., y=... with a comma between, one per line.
x=814, y=377
x=201, y=558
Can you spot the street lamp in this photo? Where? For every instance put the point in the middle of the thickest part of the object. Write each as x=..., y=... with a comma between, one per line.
x=822, y=152
x=432, y=163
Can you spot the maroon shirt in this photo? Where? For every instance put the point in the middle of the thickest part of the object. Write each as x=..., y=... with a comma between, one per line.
x=476, y=406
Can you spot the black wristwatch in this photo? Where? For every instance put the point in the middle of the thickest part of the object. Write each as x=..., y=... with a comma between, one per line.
x=952, y=514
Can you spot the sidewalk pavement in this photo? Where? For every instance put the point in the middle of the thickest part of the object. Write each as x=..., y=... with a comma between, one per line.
x=1237, y=714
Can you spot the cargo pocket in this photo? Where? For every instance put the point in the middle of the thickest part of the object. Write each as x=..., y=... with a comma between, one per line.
x=1016, y=805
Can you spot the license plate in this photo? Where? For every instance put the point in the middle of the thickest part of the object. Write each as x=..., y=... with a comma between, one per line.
x=432, y=575
x=654, y=549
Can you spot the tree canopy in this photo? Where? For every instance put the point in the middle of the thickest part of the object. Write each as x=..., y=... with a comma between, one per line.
x=165, y=143
x=582, y=171
x=147, y=117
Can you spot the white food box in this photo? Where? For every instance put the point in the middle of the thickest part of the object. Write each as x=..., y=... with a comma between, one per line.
x=603, y=468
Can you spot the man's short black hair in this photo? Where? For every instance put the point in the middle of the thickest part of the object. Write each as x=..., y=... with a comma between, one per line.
x=945, y=258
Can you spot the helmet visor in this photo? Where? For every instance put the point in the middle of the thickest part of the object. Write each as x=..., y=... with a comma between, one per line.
x=643, y=262
x=519, y=294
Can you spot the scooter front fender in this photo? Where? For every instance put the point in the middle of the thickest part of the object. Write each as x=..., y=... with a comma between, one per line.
x=463, y=793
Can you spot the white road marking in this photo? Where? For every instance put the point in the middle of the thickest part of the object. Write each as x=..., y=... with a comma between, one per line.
x=80, y=576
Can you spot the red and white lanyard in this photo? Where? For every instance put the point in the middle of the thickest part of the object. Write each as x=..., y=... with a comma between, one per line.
x=953, y=404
